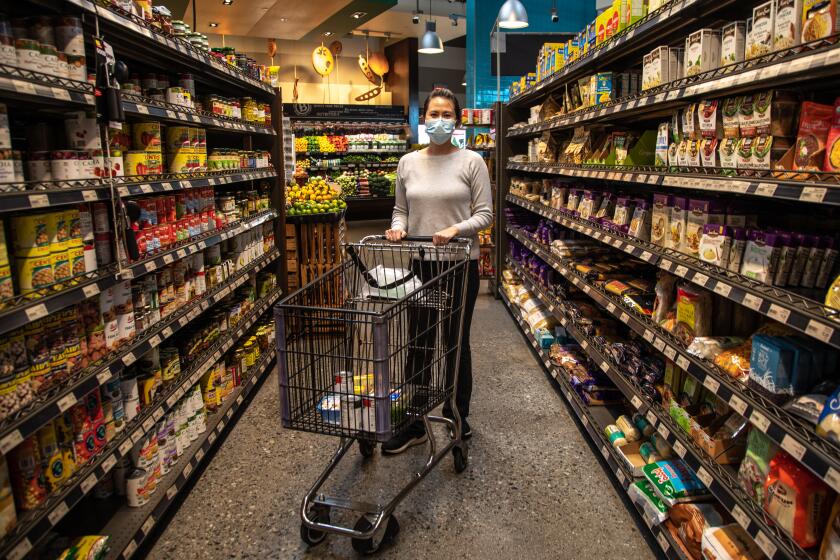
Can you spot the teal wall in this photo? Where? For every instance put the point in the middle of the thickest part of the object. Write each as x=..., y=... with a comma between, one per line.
x=481, y=16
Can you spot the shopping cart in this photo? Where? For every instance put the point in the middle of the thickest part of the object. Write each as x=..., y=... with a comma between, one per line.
x=365, y=351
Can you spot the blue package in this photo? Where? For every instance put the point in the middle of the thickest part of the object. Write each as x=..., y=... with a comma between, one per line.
x=771, y=364
x=828, y=425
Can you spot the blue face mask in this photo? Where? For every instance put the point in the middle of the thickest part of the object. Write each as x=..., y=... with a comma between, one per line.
x=440, y=130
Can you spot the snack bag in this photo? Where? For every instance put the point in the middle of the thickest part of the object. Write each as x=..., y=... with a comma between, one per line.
x=756, y=464
x=832, y=145
x=828, y=425
x=796, y=499
x=814, y=122
x=690, y=520
x=674, y=482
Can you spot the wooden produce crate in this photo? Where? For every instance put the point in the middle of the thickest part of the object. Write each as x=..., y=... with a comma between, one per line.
x=318, y=249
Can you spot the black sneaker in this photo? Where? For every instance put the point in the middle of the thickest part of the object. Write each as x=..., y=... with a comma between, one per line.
x=403, y=441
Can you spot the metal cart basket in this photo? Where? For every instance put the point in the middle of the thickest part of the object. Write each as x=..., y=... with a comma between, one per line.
x=367, y=350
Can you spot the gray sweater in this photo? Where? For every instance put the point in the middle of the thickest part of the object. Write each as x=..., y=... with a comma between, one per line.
x=436, y=192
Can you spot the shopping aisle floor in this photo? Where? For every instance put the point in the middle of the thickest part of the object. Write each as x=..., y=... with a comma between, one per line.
x=534, y=488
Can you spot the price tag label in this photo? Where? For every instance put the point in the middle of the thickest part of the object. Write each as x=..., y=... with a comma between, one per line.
x=584, y=344
x=646, y=256
x=187, y=470
x=199, y=455
x=663, y=541
x=611, y=307
x=171, y=491
x=636, y=402
x=167, y=332
x=704, y=475
x=740, y=516
x=130, y=549
x=766, y=189
x=605, y=366
x=157, y=413
x=142, y=109
x=681, y=271
x=166, y=186
x=778, y=313
x=38, y=200
x=651, y=416
x=109, y=463
x=137, y=435
x=604, y=452
x=648, y=335
x=154, y=341
x=168, y=258
x=36, y=312
x=624, y=318
x=88, y=483
x=181, y=253
x=20, y=550
x=171, y=400
x=722, y=289
x=24, y=87
x=833, y=478
x=711, y=384
x=90, y=290
x=670, y=352
x=129, y=359
x=211, y=438
x=146, y=189
x=759, y=421
x=620, y=474
x=819, y=331
x=148, y=524
x=586, y=288
x=683, y=362
x=700, y=279
x=10, y=441
x=150, y=266
x=90, y=196
x=813, y=194
x=663, y=431
x=125, y=447
x=66, y=402
x=58, y=513
x=679, y=448
x=793, y=447
x=753, y=302
x=738, y=405
x=765, y=544
x=659, y=344
x=148, y=423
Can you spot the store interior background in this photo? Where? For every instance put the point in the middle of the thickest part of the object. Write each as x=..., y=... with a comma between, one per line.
x=466, y=66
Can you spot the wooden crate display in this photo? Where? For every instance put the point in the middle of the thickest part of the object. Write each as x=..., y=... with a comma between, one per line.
x=317, y=249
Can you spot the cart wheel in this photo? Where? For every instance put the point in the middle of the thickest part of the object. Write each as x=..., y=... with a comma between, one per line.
x=366, y=448
x=313, y=537
x=371, y=545
x=461, y=459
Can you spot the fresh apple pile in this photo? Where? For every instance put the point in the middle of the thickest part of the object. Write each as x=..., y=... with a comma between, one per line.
x=315, y=197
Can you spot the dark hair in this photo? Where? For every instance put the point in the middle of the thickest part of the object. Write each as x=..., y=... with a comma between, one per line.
x=446, y=94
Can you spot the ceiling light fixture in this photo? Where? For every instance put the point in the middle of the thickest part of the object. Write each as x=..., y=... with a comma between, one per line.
x=464, y=81
x=430, y=43
x=554, y=17
x=214, y=24
x=358, y=15
x=327, y=33
x=227, y=2
x=284, y=19
x=512, y=15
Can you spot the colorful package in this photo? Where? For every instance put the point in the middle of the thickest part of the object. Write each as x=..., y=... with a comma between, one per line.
x=729, y=542
x=756, y=464
x=796, y=499
x=814, y=123
x=691, y=520
x=674, y=482
x=643, y=495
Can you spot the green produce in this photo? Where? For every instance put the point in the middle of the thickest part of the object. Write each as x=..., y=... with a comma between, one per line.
x=348, y=184
x=379, y=184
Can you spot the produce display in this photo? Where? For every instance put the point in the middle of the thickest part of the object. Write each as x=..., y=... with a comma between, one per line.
x=381, y=183
x=383, y=142
x=314, y=197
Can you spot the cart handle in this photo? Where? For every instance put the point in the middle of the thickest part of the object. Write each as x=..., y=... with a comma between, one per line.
x=414, y=239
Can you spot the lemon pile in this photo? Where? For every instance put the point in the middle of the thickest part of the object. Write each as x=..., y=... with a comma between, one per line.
x=315, y=197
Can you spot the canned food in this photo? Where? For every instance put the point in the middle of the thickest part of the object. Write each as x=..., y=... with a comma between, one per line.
x=34, y=273
x=76, y=67
x=146, y=136
x=61, y=69
x=33, y=234
x=38, y=166
x=179, y=137
x=7, y=167
x=68, y=35
x=28, y=54
x=76, y=256
x=5, y=134
x=102, y=247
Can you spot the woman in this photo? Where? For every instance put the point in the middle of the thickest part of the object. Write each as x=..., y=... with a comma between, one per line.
x=443, y=192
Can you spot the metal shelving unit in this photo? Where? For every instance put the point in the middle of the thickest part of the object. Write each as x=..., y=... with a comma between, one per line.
x=31, y=95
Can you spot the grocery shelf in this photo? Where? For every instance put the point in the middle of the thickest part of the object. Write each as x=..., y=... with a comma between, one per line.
x=138, y=186
x=28, y=420
x=195, y=244
x=818, y=188
x=43, y=89
x=34, y=525
x=24, y=309
x=721, y=481
x=806, y=61
x=792, y=434
x=132, y=34
x=131, y=526
x=350, y=152
x=665, y=20
x=143, y=106
x=615, y=464
x=32, y=195
x=354, y=166
x=802, y=314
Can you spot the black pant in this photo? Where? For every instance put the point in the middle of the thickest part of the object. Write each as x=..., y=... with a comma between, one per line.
x=420, y=362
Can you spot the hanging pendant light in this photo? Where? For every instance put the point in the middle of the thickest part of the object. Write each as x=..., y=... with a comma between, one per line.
x=430, y=43
x=512, y=15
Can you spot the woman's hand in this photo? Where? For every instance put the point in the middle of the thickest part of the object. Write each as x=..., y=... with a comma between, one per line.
x=444, y=236
x=395, y=234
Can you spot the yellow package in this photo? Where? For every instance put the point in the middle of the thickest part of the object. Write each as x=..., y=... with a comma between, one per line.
x=363, y=384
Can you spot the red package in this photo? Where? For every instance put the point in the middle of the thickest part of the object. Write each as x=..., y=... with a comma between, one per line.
x=796, y=499
x=814, y=124
x=28, y=482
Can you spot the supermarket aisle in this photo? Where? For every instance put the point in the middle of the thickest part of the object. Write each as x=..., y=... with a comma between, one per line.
x=534, y=489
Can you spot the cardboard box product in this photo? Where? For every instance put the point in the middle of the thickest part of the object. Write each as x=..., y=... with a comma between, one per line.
x=759, y=39
x=787, y=27
x=676, y=70
x=630, y=11
x=657, y=65
x=732, y=41
x=702, y=51
x=819, y=19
